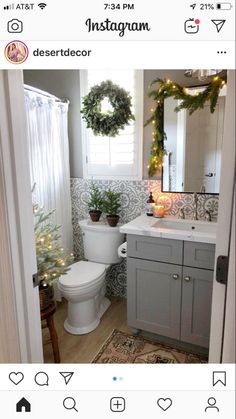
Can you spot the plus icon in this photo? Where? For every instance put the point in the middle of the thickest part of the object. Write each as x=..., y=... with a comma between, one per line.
x=117, y=404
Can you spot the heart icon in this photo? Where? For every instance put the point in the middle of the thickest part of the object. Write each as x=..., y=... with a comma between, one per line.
x=16, y=377
x=164, y=404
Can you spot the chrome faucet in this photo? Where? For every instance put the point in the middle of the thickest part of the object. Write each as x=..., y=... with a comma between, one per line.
x=207, y=216
x=195, y=217
x=181, y=214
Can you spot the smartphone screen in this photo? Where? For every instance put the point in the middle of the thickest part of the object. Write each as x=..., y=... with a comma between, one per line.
x=117, y=213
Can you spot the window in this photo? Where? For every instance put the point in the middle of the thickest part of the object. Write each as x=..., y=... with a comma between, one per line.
x=119, y=157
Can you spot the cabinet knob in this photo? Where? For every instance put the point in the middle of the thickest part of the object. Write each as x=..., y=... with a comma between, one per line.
x=187, y=278
x=175, y=276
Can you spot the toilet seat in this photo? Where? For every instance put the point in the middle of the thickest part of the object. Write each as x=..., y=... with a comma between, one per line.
x=82, y=274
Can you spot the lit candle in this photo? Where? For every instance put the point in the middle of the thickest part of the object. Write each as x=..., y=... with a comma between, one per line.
x=159, y=211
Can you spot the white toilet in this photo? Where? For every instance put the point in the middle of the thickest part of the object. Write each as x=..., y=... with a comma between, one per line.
x=84, y=285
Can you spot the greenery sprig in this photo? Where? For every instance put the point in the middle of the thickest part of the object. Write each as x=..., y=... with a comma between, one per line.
x=111, y=202
x=166, y=89
x=107, y=123
x=96, y=197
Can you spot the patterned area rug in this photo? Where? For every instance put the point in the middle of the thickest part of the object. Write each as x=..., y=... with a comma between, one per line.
x=122, y=348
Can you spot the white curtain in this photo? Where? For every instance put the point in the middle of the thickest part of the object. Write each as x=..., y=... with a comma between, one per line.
x=49, y=159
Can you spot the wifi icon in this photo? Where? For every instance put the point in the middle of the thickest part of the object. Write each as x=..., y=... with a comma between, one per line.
x=42, y=5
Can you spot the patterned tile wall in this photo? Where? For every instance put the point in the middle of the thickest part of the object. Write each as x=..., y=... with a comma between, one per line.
x=134, y=197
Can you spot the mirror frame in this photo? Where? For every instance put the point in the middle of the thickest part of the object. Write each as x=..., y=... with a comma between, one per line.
x=183, y=192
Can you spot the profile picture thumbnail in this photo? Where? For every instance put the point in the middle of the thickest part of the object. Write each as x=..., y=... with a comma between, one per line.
x=16, y=52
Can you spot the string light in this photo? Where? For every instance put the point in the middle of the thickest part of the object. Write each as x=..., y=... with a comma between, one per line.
x=188, y=101
x=51, y=262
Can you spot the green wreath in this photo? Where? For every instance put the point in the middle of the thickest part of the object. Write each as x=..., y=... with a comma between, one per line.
x=107, y=123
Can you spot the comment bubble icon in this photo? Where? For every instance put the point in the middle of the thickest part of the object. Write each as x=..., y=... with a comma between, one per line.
x=41, y=379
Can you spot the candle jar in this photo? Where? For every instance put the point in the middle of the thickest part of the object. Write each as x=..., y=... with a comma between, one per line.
x=159, y=211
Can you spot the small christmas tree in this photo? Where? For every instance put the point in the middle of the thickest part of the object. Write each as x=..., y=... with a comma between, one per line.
x=96, y=198
x=51, y=261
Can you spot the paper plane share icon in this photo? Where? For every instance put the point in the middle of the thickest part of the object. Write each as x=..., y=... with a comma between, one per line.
x=219, y=24
x=67, y=376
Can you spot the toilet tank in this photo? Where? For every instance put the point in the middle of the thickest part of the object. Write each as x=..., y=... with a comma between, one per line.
x=101, y=241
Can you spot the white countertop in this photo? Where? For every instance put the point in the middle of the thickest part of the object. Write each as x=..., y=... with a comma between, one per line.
x=171, y=227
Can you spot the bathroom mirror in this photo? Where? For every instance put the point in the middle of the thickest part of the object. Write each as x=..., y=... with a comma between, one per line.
x=193, y=146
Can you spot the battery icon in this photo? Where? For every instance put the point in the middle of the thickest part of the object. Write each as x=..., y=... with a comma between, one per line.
x=224, y=6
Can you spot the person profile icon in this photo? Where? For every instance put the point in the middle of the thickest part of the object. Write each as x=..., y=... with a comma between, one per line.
x=16, y=52
x=211, y=402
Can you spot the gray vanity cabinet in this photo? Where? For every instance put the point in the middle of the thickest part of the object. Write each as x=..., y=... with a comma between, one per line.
x=154, y=297
x=196, y=305
x=167, y=293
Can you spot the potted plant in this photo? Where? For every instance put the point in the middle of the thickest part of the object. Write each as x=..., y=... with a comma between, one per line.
x=111, y=206
x=51, y=260
x=95, y=202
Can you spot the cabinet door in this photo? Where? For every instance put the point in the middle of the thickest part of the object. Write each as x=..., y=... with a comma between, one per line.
x=154, y=296
x=196, y=306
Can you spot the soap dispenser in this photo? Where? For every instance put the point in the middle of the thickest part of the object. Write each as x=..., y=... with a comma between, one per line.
x=150, y=205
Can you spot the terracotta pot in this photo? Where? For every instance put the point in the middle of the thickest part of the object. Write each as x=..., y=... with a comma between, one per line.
x=45, y=297
x=95, y=215
x=112, y=220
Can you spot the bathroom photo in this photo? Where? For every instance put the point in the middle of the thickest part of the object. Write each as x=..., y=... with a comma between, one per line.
x=117, y=216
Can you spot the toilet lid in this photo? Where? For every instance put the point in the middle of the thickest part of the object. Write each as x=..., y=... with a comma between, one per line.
x=81, y=273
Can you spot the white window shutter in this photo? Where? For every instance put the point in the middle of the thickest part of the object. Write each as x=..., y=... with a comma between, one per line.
x=119, y=157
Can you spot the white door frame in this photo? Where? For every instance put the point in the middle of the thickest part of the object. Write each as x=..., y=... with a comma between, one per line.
x=17, y=216
x=228, y=354
x=220, y=300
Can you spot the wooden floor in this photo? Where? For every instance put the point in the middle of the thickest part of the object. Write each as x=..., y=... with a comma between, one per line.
x=83, y=348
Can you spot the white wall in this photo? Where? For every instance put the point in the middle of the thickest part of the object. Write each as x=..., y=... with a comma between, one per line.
x=64, y=84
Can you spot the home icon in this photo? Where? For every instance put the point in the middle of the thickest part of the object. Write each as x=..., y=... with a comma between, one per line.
x=23, y=405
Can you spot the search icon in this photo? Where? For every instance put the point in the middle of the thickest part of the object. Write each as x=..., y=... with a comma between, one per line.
x=69, y=403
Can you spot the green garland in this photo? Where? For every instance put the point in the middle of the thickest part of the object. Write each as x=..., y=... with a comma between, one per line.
x=166, y=89
x=109, y=123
